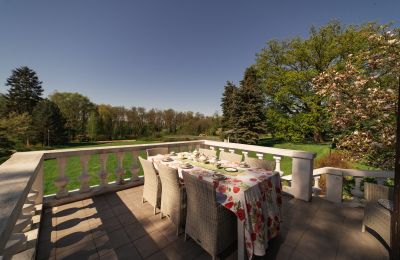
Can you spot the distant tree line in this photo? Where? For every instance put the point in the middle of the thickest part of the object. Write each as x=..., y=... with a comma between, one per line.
x=339, y=83
x=27, y=118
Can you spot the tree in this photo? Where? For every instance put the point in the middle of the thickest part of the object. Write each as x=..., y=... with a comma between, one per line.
x=228, y=106
x=3, y=105
x=25, y=90
x=76, y=109
x=5, y=145
x=92, y=125
x=286, y=69
x=249, y=111
x=48, y=124
x=362, y=99
x=16, y=127
x=106, y=121
x=169, y=118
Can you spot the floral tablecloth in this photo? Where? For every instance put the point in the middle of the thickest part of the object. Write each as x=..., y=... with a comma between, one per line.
x=253, y=194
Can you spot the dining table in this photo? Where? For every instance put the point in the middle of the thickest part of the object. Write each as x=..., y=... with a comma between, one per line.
x=253, y=194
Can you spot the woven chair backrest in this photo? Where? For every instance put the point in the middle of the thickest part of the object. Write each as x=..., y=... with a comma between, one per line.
x=373, y=192
x=148, y=170
x=200, y=194
x=169, y=177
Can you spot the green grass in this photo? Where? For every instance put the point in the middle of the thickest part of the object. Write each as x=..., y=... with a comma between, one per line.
x=74, y=166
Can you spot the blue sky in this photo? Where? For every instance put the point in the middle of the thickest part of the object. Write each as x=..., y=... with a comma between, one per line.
x=162, y=54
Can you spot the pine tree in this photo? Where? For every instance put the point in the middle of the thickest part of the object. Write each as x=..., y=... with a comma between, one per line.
x=25, y=90
x=228, y=106
x=249, y=111
x=48, y=123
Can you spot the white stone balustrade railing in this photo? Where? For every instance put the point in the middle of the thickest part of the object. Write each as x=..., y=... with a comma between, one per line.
x=21, y=197
x=334, y=180
x=21, y=181
x=302, y=164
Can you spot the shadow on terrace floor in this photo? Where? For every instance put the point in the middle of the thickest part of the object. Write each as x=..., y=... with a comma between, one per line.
x=119, y=226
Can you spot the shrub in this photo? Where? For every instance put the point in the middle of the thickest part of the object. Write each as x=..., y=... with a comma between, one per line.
x=334, y=159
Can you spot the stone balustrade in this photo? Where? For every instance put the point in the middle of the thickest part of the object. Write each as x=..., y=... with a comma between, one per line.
x=334, y=181
x=302, y=164
x=21, y=182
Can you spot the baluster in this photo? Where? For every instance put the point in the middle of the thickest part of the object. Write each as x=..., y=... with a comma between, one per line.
x=103, y=170
x=231, y=150
x=357, y=188
x=278, y=164
x=316, y=181
x=222, y=149
x=197, y=147
x=62, y=181
x=84, y=178
x=245, y=154
x=135, y=166
x=119, y=171
x=260, y=156
x=212, y=148
x=190, y=147
x=316, y=189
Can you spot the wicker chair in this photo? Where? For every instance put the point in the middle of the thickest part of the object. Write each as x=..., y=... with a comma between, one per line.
x=231, y=157
x=376, y=217
x=259, y=163
x=173, y=200
x=156, y=151
x=208, y=152
x=152, y=184
x=211, y=225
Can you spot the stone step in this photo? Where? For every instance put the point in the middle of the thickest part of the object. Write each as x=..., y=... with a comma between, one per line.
x=14, y=245
x=25, y=221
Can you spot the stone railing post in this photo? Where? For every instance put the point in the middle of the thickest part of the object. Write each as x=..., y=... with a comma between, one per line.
x=278, y=164
x=62, y=181
x=231, y=150
x=334, y=187
x=103, y=170
x=302, y=172
x=37, y=186
x=135, y=166
x=260, y=156
x=84, y=178
x=119, y=171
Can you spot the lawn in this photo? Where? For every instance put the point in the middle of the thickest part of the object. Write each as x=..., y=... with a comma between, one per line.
x=74, y=169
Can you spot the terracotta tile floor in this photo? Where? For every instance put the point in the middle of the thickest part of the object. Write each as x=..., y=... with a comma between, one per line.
x=119, y=226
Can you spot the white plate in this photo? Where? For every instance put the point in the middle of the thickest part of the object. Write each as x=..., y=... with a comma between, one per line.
x=231, y=169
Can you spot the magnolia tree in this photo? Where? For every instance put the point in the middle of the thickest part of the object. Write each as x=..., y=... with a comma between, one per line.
x=361, y=96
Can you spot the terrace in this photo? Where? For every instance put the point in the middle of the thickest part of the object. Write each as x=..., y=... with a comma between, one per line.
x=110, y=221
